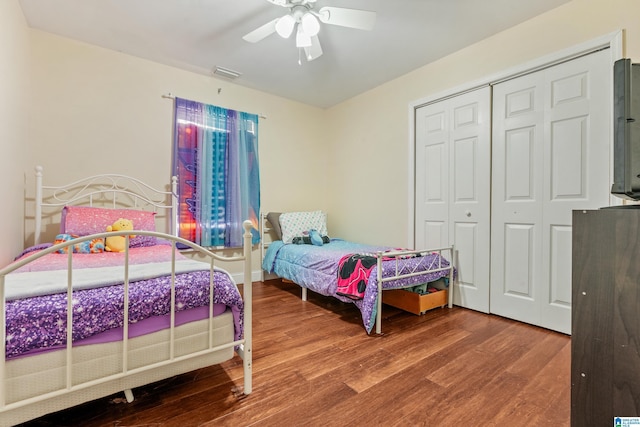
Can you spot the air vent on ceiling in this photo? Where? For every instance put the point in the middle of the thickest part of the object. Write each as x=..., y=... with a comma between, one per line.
x=226, y=73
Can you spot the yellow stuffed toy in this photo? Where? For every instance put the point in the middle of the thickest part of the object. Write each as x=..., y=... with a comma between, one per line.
x=117, y=243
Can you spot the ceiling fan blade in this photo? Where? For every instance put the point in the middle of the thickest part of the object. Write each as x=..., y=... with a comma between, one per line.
x=279, y=2
x=315, y=50
x=352, y=18
x=261, y=32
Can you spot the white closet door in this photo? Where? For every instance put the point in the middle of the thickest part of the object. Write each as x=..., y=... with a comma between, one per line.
x=453, y=188
x=550, y=156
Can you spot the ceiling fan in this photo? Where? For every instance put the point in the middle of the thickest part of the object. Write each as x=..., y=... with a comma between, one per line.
x=306, y=21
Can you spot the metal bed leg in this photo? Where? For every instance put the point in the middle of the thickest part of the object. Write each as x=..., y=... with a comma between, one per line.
x=247, y=286
x=379, y=314
x=452, y=278
x=379, y=300
x=304, y=293
x=128, y=394
x=247, y=370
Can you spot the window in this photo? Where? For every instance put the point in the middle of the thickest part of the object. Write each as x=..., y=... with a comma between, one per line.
x=216, y=161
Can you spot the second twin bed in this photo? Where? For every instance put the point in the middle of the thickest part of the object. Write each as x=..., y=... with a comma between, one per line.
x=353, y=272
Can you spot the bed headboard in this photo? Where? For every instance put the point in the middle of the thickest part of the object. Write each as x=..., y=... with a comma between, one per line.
x=105, y=190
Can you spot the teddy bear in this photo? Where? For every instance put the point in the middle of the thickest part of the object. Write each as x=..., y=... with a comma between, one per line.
x=117, y=243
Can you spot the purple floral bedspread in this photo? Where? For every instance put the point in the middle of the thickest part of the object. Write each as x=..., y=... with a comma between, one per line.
x=316, y=268
x=39, y=322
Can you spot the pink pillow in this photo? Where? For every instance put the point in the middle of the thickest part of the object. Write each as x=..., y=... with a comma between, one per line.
x=85, y=220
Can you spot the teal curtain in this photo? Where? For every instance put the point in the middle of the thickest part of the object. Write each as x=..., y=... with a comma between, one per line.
x=216, y=162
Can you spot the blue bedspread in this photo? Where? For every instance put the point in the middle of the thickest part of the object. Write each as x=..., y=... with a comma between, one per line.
x=316, y=268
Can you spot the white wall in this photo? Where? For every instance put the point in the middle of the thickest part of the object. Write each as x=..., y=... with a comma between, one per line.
x=376, y=123
x=14, y=90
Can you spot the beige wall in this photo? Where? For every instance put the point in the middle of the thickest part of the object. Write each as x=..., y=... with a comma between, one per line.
x=377, y=122
x=94, y=110
x=14, y=95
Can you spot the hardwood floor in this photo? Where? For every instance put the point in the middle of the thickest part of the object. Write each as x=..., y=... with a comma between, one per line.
x=314, y=365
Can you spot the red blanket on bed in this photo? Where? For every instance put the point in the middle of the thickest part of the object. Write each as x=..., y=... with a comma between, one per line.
x=354, y=271
x=353, y=275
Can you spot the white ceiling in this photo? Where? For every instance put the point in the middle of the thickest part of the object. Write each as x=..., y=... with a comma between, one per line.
x=198, y=35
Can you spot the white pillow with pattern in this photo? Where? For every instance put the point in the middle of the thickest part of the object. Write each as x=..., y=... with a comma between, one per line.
x=294, y=224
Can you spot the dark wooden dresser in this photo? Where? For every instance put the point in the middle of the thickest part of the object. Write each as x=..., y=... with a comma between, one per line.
x=605, y=320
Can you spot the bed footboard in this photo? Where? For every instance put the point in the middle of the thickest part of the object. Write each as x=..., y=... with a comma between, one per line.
x=441, y=265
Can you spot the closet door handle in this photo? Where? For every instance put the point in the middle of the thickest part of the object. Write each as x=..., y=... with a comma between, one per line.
x=467, y=213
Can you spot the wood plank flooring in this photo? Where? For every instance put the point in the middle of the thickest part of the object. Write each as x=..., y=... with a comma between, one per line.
x=314, y=365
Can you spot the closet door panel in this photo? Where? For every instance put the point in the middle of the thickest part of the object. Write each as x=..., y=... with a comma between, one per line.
x=432, y=178
x=517, y=169
x=518, y=165
x=518, y=275
x=559, y=293
x=434, y=234
x=559, y=118
x=460, y=128
x=435, y=190
x=577, y=150
x=470, y=145
x=466, y=234
x=465, y=158
x=568, y=155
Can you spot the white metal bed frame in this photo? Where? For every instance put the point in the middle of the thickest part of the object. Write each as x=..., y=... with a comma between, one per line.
x=114, y=189
x=444, y=252
x=72, y=394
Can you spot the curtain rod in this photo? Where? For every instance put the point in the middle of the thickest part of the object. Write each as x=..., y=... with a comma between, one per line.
x=171, y=96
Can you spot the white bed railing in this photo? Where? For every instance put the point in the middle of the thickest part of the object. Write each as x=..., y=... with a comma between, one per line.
x=244, y=345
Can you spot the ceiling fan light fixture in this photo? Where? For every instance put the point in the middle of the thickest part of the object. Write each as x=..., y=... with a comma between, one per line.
x=310, y=24
x=306, y=20
x=302, y=38
x=284, y=26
